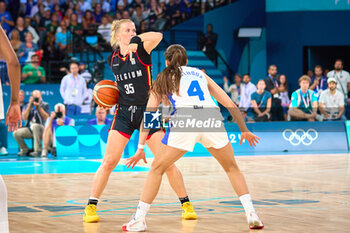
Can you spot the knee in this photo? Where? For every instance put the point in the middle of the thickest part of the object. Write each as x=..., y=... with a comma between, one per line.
x=158, y=168
x=172, y=169
x=231, y=167
x=109, y=165
x=37, y=128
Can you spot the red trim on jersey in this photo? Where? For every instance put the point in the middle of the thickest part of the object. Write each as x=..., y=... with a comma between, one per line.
x=115, y=116
x=141, y=61
x=123, y=59
x=112, y=59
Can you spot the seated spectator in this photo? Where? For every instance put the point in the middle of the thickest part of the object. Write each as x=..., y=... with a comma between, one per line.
x=318, y=81
x=51, y=30
x=5, y=19
x=73, y=90
x=234, y=89
x=101, y=117
x=84, y=72
x=98, y=13
x=44, y=21
x=28, y=25
x=172, y=13
x=105, y=30
x=76, y=29
x=272, y=86
x=331, y=102
x=56, y=119
x=15, y=41
x=342, y=77
x=63, y=41
x=32, y=72
x=139, y=17
x=284, y=95
x=36, y=112
x=88, y=20
x=21, y=29
x=27, y=48
x=304, y=102
x=247, y=89
x=261, y=102
x=156, y=16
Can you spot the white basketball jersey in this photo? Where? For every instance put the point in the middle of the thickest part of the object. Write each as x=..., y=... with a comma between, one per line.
x=193, y=90
x=1, y=104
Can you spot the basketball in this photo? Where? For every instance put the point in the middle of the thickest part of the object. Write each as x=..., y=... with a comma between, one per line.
x=106, y=93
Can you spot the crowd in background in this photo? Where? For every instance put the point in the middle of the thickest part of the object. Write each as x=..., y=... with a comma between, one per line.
x=322, y=96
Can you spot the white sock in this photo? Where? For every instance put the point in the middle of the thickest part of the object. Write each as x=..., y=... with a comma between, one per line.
x=142, y=210
x=4, y=223
x=93, y=198
x=247, y=203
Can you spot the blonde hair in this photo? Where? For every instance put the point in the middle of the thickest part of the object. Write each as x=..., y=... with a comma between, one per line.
x=115, y=28
x=304, y=78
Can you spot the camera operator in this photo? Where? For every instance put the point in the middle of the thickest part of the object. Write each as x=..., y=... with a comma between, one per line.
x=57, y=118
x=35, y=113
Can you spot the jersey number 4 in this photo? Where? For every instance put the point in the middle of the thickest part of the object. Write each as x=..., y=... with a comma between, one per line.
x=195, y=90
x=129, y=88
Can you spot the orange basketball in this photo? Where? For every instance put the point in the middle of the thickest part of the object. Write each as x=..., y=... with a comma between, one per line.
x=106, y=93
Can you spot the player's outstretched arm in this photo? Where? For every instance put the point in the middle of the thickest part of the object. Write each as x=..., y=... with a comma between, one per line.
x=13, y=116
x=223, y=99
x=152, y=105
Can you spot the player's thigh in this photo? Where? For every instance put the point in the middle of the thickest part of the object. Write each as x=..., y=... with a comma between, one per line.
x=154, y=142
x=224, y=156
x=167, y=156
x=116, y=143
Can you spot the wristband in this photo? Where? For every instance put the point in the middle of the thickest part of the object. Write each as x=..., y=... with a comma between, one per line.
x=135, y=40
x=141, y=147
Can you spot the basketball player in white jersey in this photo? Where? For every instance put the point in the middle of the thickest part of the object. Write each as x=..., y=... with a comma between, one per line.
x=13, y=116
x=187, y=87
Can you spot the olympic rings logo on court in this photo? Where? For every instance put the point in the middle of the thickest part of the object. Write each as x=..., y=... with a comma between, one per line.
x=300, y=136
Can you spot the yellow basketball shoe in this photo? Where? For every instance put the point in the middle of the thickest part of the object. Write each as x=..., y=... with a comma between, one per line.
x=90, y=214
x=188, y=212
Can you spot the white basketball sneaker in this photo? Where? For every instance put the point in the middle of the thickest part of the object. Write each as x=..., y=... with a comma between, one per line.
x=254, y=221
x=135, y=225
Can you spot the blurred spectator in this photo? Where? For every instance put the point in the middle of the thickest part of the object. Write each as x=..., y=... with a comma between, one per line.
x=98, y=13
x=5, y=18
x=125, y=14
x=105, y=29
x=272, y=86
x=342, y=77
x=79, y=12
x=261, y=102
x=22, y=102
x=172, y=13
x=68, y=16
x=310, y=73
x=32, y=72
x=63, y=41
x=85, y=5
x=106, y=6
x=156, y=16
x=51, y=30
x=84, y=72
x=20, y=28
x=66, y=5
x=45, y=20
x=247, y=89
x=15, y=41
x=36, y=113
x=57, y=11
x=304, y=102
x=56, y=119
x=3, y=139
x=284, y=95
x=86, y=105
x=73, y=90
x=27, y=24
x=77, y=29
x=208, y=42
x=101, y=117
x=318, y=81
x=234, y=89
x=331, y=102
x=88, y=21
x=139, y=17
x=27, y=48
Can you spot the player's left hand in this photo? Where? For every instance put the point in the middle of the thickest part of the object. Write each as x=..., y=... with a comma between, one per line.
x=250, y=137
x=132, y=161
x=13, y=117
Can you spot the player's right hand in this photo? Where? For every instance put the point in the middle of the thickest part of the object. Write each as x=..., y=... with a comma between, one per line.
x=132, y=161
x=250, y=137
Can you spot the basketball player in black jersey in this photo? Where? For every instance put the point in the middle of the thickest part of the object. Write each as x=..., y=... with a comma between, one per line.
x=132, y=66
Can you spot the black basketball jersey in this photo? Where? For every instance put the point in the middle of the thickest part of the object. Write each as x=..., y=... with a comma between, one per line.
x=133, y=77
